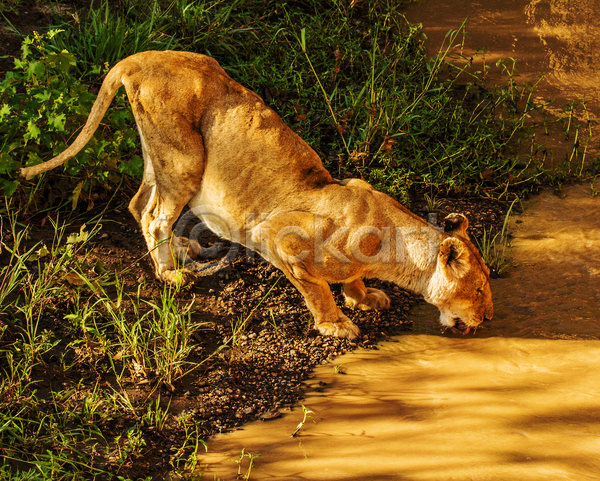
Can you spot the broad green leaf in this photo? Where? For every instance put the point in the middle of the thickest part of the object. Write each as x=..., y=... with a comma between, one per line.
x=41, y=252
x=81, y=237
x=99, y=267
x=53, y=32
x=4, y=111
x=57, y=122
x=36, y=70
x=33, y=131
x=43, y=96
x=7, y=164
x=25, y=48
x=64, y=61
x=9, y=186
x=135, y=167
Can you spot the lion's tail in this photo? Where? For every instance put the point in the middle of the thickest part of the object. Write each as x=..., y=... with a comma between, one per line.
x=112, y=82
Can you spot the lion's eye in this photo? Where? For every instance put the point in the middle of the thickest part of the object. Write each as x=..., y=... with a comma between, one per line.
x=480, y=290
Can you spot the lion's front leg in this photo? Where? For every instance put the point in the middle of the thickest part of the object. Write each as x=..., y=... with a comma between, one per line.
x=341, y=327
x=287, y=241
x=365, y=298
x=329, y=319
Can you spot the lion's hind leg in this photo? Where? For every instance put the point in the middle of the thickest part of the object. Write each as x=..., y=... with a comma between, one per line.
x=365, y=298
x=156, y=217
x=158, y=203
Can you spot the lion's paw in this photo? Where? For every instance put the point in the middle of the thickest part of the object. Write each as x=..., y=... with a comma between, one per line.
x=179, y=277
x=375, y=299
x=341, y=328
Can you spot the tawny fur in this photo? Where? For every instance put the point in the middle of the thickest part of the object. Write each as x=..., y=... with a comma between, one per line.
x=212, y=144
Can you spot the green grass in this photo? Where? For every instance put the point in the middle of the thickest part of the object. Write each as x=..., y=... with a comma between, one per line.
x=354, y=82
x=239, y=325
x=63, y=429
x=495, y=248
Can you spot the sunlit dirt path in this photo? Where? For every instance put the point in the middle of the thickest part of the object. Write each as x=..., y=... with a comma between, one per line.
x=556, y=47
x=552, y=37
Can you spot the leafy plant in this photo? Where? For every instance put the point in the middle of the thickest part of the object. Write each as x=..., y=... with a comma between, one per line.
x=306, y=415
x=155, y=416
x=251, y=458
x=54, y=434
x=187, y=453
x=433, y=202
x=41, y=102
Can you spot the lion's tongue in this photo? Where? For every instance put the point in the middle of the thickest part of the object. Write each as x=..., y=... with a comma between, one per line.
x=461, y=328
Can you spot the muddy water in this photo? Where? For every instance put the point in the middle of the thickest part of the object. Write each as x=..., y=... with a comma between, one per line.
x=433, y=408
x=553, y=290
x=518, y=400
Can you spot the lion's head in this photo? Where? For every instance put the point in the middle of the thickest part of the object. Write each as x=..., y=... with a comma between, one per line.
x=460, y=286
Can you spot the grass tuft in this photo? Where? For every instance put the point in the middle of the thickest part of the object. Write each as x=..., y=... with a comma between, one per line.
x=495, y=248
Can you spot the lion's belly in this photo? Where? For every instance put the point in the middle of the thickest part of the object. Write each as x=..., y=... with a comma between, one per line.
x=228, y=209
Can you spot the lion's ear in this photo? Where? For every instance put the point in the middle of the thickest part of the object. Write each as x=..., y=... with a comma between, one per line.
x=456, y=224
x=454, y=258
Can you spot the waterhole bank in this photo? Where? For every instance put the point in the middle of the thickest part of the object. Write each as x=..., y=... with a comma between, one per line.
x=519, y=399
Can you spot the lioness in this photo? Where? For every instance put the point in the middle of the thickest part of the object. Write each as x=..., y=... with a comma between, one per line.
x=214, y=145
